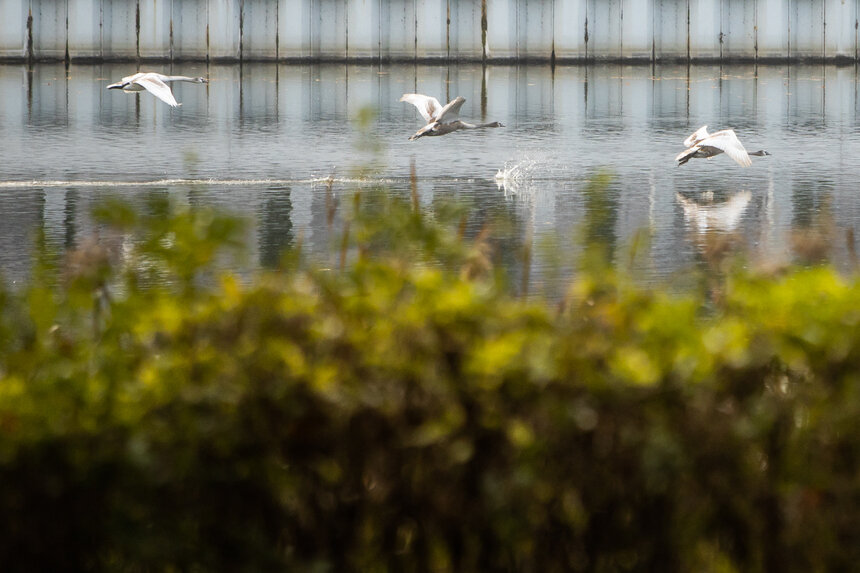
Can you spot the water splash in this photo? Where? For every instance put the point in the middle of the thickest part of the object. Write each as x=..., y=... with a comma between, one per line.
x=517, y=178
x=522, y=178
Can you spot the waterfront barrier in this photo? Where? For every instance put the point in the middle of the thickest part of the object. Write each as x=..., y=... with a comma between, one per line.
x=427, y=30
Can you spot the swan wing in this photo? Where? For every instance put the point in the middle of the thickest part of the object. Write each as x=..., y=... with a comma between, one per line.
x=728, y=142
x=451, y=112
x=158, y=88
x=424, y=130
x=427, y=106
x=696, y=137
x=134, y=77
x=127, y=80
x=684, y=156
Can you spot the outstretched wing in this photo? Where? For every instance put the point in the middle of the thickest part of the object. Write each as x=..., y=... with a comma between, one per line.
x=127, y=81
x=698, y=136
x=686, y=155
x=158, y=88
x=451, y=112
x=427, y=106
x=424, y=130
x=728, y=142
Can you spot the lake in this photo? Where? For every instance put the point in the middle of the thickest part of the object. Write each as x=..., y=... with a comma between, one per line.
x=268, y=141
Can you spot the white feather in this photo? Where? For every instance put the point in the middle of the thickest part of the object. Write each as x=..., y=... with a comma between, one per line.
x=699, y=135
x=428, y=106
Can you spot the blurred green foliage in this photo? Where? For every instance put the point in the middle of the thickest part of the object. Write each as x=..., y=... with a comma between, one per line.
x=402, y=411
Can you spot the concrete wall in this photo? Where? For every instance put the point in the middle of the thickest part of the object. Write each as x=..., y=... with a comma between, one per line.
x=496, y=30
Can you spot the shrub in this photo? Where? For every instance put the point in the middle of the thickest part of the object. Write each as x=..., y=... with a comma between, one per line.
x=406, y=412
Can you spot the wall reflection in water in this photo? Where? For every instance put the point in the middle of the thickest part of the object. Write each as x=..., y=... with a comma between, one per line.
x=264, y=139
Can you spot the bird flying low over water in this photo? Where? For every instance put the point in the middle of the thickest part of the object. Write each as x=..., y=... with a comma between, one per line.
x=701, y=144
x=441, y=120
x=154, y=83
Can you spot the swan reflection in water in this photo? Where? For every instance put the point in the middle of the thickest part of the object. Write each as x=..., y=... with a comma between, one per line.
x=707, y=215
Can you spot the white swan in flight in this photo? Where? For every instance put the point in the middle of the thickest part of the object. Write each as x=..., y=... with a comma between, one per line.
x=154, y=83
x=441, y=120
x=701, y=144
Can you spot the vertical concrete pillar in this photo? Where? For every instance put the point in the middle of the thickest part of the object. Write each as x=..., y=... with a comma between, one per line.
x=535, y=29
x=191, y=29
x=328, y=28
x=671, y=30
x=294, y=29
x=772, y=26
x=49, y=28
x=432, y=31
x=840, y=31
x=705, y=21
x=362, y=29
x=154, y=35
x=464, y=30
x=738, y=28
x=502, y=37
x=637, y=27
x=604, y=29
x=119, y=29
x=85, y=28
x=806, y=28
x=13, y=28
x=224, y=29
x=260, y=30
x=397, y=29
x=569, y=29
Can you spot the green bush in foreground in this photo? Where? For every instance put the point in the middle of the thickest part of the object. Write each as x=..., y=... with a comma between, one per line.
x=405, y=413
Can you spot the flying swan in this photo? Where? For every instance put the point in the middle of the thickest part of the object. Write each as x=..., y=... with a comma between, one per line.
x=703, y=145
x=154, y=83
x=441, y=120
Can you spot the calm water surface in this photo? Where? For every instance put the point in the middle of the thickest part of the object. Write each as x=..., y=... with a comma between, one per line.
x=263, y=139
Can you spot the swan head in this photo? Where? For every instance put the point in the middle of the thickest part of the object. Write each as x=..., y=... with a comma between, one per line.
x=760, y=153
x=495, y=124
x=118, y=85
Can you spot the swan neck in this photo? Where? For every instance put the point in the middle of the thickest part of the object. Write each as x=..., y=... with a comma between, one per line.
x=182, y=79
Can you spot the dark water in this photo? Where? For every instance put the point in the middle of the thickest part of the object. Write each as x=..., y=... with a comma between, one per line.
x=263, y=140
